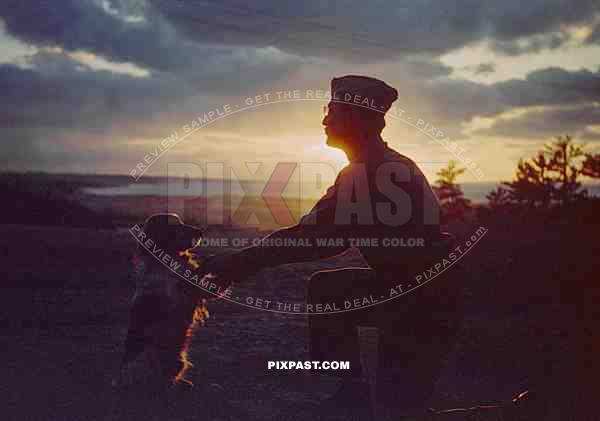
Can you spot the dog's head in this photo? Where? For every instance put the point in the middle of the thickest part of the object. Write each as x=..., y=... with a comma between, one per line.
x=170, y=233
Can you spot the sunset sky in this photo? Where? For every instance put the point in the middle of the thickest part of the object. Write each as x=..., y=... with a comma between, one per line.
x=94, y=86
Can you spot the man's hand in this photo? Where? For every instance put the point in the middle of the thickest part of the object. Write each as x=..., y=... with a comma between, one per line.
x=217, y=273
x=229, y=267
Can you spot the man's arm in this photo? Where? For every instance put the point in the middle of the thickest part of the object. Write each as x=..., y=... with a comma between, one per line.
x=318, y=223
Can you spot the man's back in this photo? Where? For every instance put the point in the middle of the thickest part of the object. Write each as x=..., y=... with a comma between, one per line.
x=384, y=202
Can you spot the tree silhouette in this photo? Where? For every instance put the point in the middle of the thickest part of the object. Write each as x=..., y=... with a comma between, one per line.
x=532, y=186
x=566, y=164
x=549, y=178
x=499, y=199
x=591, y=166
x=449, y=193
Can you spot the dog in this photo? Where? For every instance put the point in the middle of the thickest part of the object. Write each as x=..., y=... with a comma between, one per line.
x=165, y=309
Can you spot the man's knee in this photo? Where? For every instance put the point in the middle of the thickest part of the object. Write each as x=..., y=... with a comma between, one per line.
x=342, y=275
x=321, y=284
x=337, y=283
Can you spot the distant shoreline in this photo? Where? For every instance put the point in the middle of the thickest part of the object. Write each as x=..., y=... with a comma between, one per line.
x=474, y=191
x=124, y=185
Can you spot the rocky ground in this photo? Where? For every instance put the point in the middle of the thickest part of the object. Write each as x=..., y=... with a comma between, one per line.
x=529, y=325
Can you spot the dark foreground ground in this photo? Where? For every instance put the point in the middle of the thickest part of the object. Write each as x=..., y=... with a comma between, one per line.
x=531, y=323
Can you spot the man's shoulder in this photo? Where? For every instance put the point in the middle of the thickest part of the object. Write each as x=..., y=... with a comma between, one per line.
x=354, y=169
x=395, y=156
x=391, y=155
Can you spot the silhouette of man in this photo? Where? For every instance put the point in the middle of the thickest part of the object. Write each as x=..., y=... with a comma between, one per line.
x=380, y=198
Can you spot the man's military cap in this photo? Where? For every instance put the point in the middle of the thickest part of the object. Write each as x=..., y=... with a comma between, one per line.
x=364, y=90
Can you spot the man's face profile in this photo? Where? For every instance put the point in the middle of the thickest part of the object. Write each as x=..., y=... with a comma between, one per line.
x=338, y=125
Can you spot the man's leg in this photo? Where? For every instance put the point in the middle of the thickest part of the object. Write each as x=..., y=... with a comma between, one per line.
x=333, y=336
x=418, y=331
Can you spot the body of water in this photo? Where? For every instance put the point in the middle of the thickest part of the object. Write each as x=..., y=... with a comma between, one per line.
x=475, y=191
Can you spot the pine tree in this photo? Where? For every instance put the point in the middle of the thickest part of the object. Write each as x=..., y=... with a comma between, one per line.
x=566, y=164
x=449, y=193
x=499, y=198
x=532, y=186
x=551, y=177
x=591, y=166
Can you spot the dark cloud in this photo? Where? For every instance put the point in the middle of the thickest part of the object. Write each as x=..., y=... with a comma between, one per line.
x=532, y=26
x=516, y=19
x=546, y=123
x=152, y=43
x=594, y=37
x=450, y=103
x=457, y=100
x=533, y=44
x=551, y=86
x=58, y=97
x=174, y=33
x=485, y=69
x=60, y=92
x=424, y=68
x=199, y=54
x=60, y=104
x=383, y=29
x=84, y=25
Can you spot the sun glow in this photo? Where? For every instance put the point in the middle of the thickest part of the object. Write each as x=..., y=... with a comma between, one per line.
x=320, y=152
